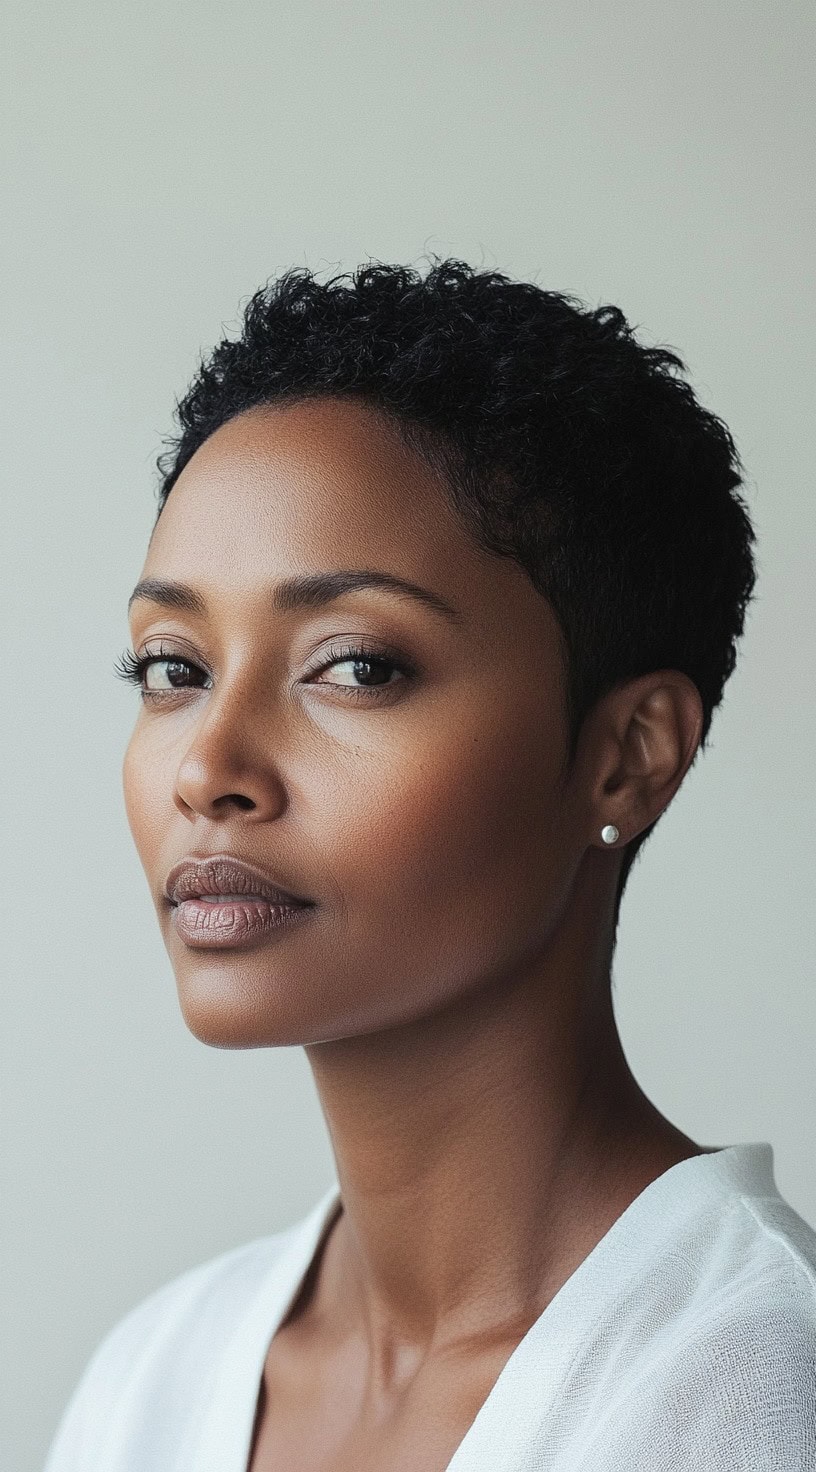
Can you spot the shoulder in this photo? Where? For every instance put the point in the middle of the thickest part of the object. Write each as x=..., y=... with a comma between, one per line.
x=174, y=1333
x=729, y=1379
x=204, y=1295
x=739, y=1391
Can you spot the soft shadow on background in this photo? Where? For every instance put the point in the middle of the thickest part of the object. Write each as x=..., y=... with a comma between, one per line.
x=163, y=160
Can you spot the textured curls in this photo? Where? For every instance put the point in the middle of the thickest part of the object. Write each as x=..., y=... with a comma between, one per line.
x=567, y=445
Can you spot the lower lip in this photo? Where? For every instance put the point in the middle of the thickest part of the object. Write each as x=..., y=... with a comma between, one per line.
x=224, y=924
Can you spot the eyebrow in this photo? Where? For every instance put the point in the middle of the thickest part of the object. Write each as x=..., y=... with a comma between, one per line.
x=302, y=591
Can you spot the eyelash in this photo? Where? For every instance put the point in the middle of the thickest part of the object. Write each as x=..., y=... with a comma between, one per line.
x=132, y=667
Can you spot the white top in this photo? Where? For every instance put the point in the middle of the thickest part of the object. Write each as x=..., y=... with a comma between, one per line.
x=684, y=1342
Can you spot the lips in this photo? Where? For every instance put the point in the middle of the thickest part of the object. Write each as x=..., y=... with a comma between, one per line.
x=223, y=903
x=224, y=875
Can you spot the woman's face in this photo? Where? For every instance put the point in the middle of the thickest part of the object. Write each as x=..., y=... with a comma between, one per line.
x=418, y=801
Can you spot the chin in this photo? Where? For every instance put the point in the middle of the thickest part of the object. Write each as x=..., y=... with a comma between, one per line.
x=218, y=1030
x=224, y=1013
x=227, y=1007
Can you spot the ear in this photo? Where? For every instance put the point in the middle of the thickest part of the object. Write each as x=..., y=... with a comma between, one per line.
x=644, y=736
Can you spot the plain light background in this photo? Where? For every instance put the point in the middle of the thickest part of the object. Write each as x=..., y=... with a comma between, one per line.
x=162, y=161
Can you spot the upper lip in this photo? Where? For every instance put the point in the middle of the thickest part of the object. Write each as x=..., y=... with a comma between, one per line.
x=224, y=874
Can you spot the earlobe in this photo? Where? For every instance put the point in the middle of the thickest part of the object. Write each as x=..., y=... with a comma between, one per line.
x=648, y=736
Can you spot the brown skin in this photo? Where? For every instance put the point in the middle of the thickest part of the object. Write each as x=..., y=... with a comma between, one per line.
x=452, y=985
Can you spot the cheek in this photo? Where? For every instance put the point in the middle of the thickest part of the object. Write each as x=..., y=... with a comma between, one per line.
x=145, y=797
x=489, y=797
x=453, y=862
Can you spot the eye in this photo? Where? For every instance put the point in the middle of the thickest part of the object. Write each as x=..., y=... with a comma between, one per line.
x=367, y=670
x=159, y=674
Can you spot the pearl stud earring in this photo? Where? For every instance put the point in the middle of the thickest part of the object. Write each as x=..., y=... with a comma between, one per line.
x=610, y=833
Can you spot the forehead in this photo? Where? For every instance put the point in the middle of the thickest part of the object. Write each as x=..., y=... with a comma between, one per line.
x=319, y=484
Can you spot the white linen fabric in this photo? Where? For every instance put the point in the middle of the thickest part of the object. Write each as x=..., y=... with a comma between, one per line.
x=684, y=1342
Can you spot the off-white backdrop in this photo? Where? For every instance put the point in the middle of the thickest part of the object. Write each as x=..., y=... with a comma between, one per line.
x=163, y=160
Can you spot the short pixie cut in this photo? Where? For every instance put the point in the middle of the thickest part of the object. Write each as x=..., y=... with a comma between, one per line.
x=564, y=443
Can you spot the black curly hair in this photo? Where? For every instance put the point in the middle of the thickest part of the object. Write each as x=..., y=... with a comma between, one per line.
x=566, y=445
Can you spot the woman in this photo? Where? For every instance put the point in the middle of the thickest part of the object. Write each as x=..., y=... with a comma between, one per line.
x=445, y=584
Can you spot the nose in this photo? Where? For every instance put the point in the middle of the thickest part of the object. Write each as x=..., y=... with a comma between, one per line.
x=228, y=765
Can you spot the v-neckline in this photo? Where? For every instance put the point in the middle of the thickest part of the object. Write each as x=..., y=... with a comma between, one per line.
x=550, y=1345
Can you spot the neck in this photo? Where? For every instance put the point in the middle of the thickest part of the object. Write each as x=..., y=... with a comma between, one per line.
x=481, y=1154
